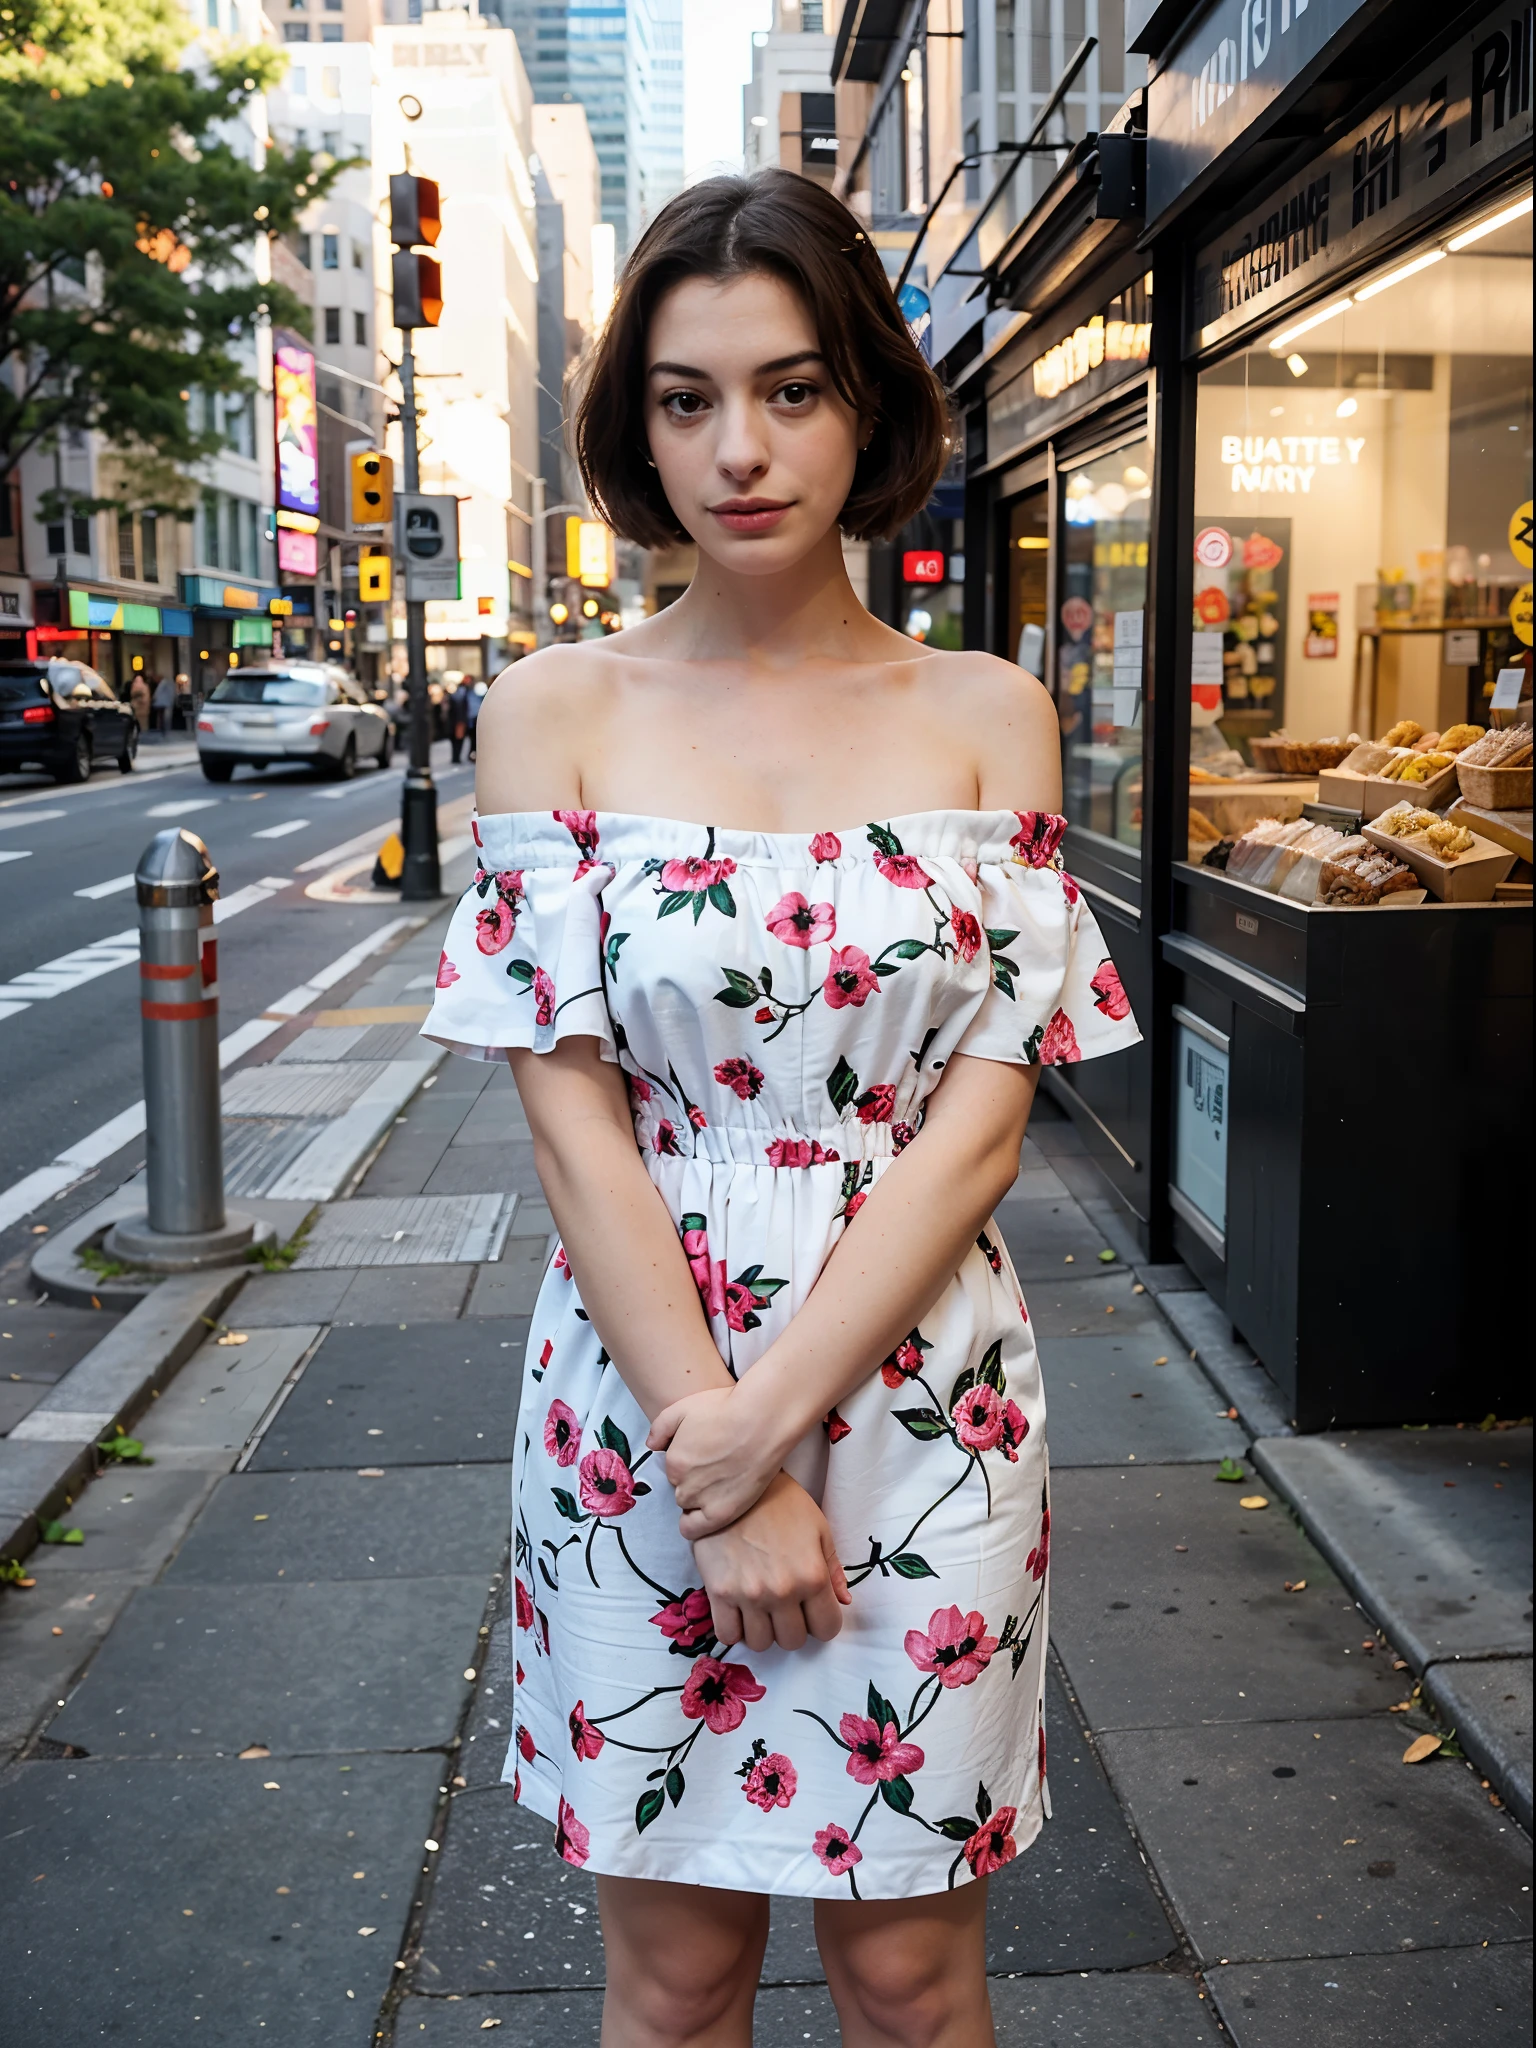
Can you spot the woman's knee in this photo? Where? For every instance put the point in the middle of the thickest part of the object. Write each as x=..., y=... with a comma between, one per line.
x=680, y=1959
x=912, y=1978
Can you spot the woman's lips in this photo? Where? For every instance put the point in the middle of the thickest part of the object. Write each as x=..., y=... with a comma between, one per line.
x=752, y=519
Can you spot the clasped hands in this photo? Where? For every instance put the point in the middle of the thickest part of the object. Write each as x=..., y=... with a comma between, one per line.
x=763, y=1546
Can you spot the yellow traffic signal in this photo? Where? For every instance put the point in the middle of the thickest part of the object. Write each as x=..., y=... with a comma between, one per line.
x=373, y=489
x=373, y=576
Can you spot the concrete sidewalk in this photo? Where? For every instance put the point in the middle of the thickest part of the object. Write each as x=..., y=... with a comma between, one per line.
x=273, y=1802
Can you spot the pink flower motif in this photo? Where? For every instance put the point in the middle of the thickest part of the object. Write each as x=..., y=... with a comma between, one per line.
x=686, y=1621
x=525, y=1745
x=826, y=846
x=876, y=1104
x=582, y=826
x=524, y=1600
x=509, y=883
x=546, y=1354
x=586, y=1739
x=562, y=1434
x=1069, y=888
x=763, y=1016
x=697, y=1117
x=993, y=1845
x=640, y=1090
x=606, y=1484
x=691, y=877
x=851, y=979
x=561, y=1263
x=978, y=1418
x=741, y=1077
x=1015, y=1429
x=664, y=1138
x=854, y=1204
x=1042, y=1749
x=447, y=973
x=1039, y=1559
x=835, y=1426
x=708, y=1274
x=1039, y=835
x=718, y=1694
x=904, y=869
x=837, y=1849
x=901, y=1137
x=1108, y=993
x=799, y=923
x=739, y=1304
x=1059, y=1046
x=967, y=933
x=956, y=1649
x=543, y=997
x=495, y=925
x=877, y=1754
x=772, y=1781
x=799, y=1152
x=571, y=1838
x=904, y=1363
x=517, y=1786
x=474, y=831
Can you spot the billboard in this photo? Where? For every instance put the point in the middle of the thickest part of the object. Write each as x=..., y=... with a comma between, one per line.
x=298, y=443
x=298, y=554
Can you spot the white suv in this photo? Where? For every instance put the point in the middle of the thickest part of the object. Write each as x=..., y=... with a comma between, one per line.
x=291, y=711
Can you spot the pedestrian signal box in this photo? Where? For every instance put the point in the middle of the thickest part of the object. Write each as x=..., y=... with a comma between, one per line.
x=922, y=565
x=373, y=576
x=589, y=553
x=415, y=211
x=373, y=489
x=416, y=284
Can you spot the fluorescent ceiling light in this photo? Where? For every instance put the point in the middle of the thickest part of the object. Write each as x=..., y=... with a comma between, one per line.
x=1313, y=320
x=1486, y=227
x=1381, y=284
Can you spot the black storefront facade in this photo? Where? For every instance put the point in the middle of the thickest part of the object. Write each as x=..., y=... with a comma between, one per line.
x=1239, y=468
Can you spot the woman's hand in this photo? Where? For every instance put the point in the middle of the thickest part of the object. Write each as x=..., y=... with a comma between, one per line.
x=773, y=1575
x=719, y=1459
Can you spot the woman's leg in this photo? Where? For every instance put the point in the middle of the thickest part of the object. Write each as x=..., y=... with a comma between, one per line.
x=683, y=1963
x=909, y=1973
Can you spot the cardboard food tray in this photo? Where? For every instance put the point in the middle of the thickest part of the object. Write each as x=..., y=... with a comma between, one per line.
x=1232, y=807
x=1504, y=828
x=1472, y=879
x=1381, y=794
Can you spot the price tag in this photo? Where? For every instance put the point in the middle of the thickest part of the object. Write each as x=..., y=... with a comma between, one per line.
x=1506, y=690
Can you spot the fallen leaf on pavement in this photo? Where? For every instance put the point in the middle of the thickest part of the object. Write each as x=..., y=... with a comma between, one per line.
x=489, y=2023
x=1181, y=1546
x=367, y=1930
x=256, y=1749
x=1160, y=1361
x=1401, y=1707
x=1253, y=1500
x=1422, y=1746
x=1295, y=1585
x=1229, y=1469
x=1106, y=1258
x=370, y=1471
x=233, y=1337
x=58, y=1631
x=271, y=1786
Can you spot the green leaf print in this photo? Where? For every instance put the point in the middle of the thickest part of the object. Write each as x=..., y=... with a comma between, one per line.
x=612, y=1438
x=678, y=899
x=883, y=839
x=721, y=897
x=879, y=1708
x=675, y=1785
x=906, y=1564
x=990, y=1371
x=983, y=1803
x=741, y=992
x=647, y=1807
x=897, y=1794
x=521, y=970
x=1000, y=941
x=566, y=1503
x=1032, y=1045
x=842, y=1086
x=963, y=1384
x=611, y=954
x=926, y=1424
x=956, y=1827
x=910, y=949
x=1003, y=972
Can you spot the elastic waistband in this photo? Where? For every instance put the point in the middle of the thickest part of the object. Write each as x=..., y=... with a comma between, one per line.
x=742, y=1145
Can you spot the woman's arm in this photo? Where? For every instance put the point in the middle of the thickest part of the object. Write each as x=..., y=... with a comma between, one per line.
x=886, y=1271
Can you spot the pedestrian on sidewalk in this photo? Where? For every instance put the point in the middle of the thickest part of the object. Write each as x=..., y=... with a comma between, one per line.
x=780, y=1515
x=459, y=701
x=164, y=703
x=139, y=698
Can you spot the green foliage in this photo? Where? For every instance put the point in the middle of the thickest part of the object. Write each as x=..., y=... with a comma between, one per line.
x=69, y=46
x=127, y=217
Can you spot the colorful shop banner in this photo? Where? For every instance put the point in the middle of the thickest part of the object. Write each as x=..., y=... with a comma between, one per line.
x=298, y=435
x=106, y=615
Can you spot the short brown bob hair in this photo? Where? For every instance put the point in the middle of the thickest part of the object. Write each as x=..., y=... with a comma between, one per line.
x=784, y=225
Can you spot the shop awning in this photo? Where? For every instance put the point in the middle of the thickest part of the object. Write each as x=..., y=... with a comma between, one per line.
x=215, y=598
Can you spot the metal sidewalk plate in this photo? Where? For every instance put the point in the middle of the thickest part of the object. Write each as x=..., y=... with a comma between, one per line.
x=280, y=1090
x=409, y=1230
x=314, y=1048
x=257, y=1149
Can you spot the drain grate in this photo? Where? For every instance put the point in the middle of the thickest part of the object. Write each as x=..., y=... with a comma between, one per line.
x=279, y=1090
x=412, y=1230
x=258, y=1149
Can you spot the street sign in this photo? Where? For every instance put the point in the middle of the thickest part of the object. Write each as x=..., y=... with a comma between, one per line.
x=427, y=545
x=922, y=565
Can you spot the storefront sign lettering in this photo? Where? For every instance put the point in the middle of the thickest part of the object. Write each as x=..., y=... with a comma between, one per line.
x=1086, y=347
x=1461, y=114
x=1286, y=462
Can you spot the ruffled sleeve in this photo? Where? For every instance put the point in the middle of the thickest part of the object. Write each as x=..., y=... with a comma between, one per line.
x=522, y=964
x=1056, y=995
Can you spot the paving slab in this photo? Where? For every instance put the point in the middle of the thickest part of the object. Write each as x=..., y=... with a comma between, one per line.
x=131, y=1516
x=1488, y=1703
x=413, y=1230
x=503, y=1167
x=18, y=1397
x=1153, y=1635
x=37, y=1666
x=269, y=1300
x=1313, y=1838
x=488, y=1733
x=1042, y=1235
x=441, y=1394
x=1432, y=1529
x=510, y=1286
x=208, y=1670
x=414, y=1522
x=1074, y=1307
x=1109, y=1403
x=216, y=1402
x=42, y=1339
x=158, y=1918
x=406, y=1294
x=1435, y=1998
x=406, y=1163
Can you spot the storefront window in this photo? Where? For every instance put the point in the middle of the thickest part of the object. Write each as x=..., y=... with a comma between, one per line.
x=1105, y=520
x=1362, y=531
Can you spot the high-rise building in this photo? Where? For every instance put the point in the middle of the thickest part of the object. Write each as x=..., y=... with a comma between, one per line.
x=623, y=62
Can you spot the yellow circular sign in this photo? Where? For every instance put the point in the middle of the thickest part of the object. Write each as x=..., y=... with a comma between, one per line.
x=1520, y=613
x=1520, y=534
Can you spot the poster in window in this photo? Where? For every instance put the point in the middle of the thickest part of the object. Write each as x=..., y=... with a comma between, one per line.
x=298, y=444
x=1322, y=638
x=1245, y=599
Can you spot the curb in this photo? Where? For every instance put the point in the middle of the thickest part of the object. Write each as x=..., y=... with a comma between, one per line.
x=54, y=1267
x=1492, y=1740
x=1230, y=1366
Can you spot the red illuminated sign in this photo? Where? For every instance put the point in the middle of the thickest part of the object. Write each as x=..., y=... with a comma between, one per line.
x=922, y=565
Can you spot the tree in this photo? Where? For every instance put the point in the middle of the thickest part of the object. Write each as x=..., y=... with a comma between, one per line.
x=126, y=224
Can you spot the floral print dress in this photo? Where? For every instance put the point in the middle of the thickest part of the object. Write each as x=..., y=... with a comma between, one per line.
x=782, y=1005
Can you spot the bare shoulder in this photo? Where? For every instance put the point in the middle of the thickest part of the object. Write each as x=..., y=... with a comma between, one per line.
x=528, y=739
x=1007, y=719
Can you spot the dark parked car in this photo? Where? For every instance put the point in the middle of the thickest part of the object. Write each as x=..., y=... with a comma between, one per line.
x=63, y=717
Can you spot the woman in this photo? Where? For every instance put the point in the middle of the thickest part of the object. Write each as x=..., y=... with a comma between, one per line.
x=780, y=1527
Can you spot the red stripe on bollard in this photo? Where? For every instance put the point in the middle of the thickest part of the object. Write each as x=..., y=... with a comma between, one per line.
x=175, y=1013
x=150, y=971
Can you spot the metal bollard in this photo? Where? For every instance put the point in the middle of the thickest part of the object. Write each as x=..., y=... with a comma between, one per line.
x=186, y=1226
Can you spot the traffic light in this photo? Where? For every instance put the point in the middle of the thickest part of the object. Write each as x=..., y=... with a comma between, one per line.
x=373, y=488
x=415, y=212
x=416, y=284
x=373, y=576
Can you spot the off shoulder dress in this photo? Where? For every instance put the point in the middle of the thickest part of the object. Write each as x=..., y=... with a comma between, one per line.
x=782, y=1005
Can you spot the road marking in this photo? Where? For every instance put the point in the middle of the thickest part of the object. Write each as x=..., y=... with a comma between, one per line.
x=361, y=844
x=282, y=831
x=113, y=888
x=18, y=855
x=71, y=1166
x=182, y=807
x=125, y=785
x=29, y=818
x=72, y=970
x=247, y=898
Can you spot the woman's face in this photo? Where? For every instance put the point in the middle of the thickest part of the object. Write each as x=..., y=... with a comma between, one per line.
x=754, y=447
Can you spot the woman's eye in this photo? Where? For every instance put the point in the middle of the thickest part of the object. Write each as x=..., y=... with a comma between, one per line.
x=683, y=404
x=797, y=394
